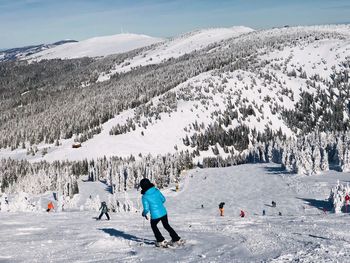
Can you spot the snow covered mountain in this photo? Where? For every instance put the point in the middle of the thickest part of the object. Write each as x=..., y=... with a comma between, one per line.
x=24, y=52
x=273, y=95
x=97, y=47
x=80, y=131
x=176, y=47
x=268, y=75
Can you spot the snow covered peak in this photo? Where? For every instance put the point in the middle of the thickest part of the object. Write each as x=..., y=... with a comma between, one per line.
x=177, y=47
x=23, y=52
x=219, y=32
x=200, y=39
x=213, y=34
x=97, y=46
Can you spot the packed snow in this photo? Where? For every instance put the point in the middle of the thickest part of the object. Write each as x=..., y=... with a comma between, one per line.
x=97, y=47
x=303, y=233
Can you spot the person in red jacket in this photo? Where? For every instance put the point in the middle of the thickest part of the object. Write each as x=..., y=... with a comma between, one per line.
x=242, y=214
x=347, y=198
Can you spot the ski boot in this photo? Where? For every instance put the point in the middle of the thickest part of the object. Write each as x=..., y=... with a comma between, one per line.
x=162, y=244
x=180, y=242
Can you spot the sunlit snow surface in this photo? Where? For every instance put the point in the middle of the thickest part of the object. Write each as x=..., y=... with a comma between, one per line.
x=177, y=47
x=302, y=234
x=97, y=46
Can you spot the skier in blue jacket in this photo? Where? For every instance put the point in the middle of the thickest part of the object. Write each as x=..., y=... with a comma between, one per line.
x=152, y=201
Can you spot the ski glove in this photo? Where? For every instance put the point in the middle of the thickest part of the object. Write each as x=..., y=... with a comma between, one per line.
x=144, y=215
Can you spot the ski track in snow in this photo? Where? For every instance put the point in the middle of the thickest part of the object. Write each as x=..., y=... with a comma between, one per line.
x=300, y=235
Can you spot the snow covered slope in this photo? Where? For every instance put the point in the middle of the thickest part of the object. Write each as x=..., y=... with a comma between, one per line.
x=24, y=52
x=177, y=47
x=97, y=46
x=253, y=97
x=302, y=234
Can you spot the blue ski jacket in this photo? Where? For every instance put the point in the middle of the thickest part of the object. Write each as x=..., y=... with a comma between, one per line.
x=152, y=201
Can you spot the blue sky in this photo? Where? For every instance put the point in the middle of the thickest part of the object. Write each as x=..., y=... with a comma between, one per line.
x=25, y=22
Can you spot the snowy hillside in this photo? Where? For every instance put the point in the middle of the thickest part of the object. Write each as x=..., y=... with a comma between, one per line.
x=176, y=47
x=303, y=233
x=97, y=47
x=226, y=115
x=256, y=96
x=279, y=95
x=24, y=52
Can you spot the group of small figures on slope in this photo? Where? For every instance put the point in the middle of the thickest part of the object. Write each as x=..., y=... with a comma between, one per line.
x=242, y=213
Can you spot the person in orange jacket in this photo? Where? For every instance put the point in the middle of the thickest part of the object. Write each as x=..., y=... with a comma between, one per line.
x=49, y=207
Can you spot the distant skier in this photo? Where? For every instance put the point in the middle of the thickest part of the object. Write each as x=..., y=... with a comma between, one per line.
x=152, y=201
x=4, y=203
x=6, y=200
x=273, y=203
x=104, y=210
x=50, y=207
x=221, y=208
x=280, y=213
x=242, y=214
x=264, y=212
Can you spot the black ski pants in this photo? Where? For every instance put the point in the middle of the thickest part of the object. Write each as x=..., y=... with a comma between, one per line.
x=165, y=223
x=102, y=215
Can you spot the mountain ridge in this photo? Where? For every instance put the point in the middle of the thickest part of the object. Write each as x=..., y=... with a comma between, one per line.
x=97, y=46
x=248, y=85
x=10, y=54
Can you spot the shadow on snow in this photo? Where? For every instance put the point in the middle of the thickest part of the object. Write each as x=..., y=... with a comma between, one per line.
x=313, y=236
x=116, y=233
x=319, y=204
x=276, y=170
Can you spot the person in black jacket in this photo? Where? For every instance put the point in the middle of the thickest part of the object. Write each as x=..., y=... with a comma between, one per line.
x=221, y=208
x=104, y=210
